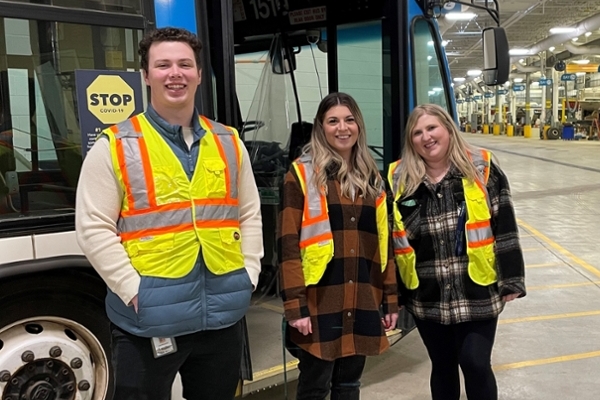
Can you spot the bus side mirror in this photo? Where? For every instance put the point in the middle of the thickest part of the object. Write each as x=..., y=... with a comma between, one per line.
x=283, y=60
x=496, y=61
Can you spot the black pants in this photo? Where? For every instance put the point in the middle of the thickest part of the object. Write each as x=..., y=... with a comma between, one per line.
x=208, y=362
x=469, y=345
x=318, y=377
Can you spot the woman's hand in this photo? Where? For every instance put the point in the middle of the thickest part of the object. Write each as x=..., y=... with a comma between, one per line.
x=389, y=321
x=303, y=325
x=510, y=297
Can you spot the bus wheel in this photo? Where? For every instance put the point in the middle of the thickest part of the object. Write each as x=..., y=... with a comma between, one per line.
x=54, y=339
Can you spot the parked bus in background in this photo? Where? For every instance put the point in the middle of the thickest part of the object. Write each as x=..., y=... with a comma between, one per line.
x=54, y=334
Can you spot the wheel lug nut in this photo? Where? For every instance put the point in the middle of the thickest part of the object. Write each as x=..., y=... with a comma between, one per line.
x=55, y=352
x=4, y=376
x=27, y=356
x=14, y=381
x=84, y=385
x=65, y=372
x=76, y=363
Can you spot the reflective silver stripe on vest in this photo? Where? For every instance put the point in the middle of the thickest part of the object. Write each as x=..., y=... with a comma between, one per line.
x=217, y=212
x=228, y=141
x=314, y=230
x=479, y=234
x=154, y=220
x=135, y=169
x=313, y=196
x=400, y=242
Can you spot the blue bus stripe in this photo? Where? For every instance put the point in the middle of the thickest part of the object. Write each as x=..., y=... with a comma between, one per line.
x=176, y=13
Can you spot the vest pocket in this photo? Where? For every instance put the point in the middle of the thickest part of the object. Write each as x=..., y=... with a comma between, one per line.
x=222, y=250
x=314, y=261
x=148, y=254
x=214, y=177
x=482, y=265
x=151, y=244
x=478, y=210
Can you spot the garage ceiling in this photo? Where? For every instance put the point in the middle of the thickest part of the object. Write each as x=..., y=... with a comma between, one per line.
x=527, y=22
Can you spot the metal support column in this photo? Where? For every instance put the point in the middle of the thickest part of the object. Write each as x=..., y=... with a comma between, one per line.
x=527, y=126
x=223, y=62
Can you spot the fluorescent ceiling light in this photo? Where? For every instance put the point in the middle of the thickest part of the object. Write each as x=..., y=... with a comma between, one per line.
x=459, y=79
x=431, y=92
x=518, y=52
x=518, y=80
x=588, y=34
x=562, y=29
x=581, y=61
x=575, y=39
x=430, y=43
x=522, y=61
x=474, y=72
x=552, y=48
x=460, y=16
x=429, y=58
x=444, y=43
x=437, y=89
x=580, y=73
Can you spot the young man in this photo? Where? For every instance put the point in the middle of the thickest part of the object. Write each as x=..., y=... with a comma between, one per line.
x=168, y=213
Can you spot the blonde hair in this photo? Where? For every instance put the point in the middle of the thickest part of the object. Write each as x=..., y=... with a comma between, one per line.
x=413, y=169
x=362, y=175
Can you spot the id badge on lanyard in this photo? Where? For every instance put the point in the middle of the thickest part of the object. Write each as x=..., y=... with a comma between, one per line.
x=163, y=346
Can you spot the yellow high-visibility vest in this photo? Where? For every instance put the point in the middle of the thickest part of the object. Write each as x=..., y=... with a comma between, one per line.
x=316, y=238
x=165, y=217
x=478, y=228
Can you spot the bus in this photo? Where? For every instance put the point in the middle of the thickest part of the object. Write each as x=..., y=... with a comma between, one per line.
x=388, y=54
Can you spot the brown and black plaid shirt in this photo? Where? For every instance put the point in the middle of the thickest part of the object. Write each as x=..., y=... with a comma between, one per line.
x=446, y=294
x=345, y=305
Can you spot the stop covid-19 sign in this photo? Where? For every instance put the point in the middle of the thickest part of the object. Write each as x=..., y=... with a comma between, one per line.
x=105, y=98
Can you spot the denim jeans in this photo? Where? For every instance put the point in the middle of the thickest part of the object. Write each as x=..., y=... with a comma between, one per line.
x=319, y=377
x=208, y=362
x=468, y=344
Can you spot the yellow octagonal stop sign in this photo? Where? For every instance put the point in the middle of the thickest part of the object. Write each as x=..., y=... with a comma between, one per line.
x=110, y=99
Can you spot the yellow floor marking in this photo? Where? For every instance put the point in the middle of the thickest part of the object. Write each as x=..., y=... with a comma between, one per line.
x=542, y=265
x=271, y=307
x=533, y=249
x=273, y=371
x=545, y=361
x=588, y=267
x=548, y=317
x=563, y=285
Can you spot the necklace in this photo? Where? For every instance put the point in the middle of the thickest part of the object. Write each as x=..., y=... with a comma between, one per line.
x=436, y=176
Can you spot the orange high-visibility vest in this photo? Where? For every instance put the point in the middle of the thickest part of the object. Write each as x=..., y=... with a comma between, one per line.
x=316, y=238
x=478, y=228
x=165, y=217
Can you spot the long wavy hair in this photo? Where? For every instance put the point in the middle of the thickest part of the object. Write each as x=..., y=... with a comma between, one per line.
x=360, y=175
x=412, y=171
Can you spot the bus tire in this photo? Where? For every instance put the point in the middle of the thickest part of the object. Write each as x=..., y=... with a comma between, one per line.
x=55, y=336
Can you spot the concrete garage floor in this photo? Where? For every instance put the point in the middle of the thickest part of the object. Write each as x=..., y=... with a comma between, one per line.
x=548, y=344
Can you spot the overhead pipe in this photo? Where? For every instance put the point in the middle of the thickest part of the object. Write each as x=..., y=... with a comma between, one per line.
x=521, y=68
x=587, y=25
x=582, y=49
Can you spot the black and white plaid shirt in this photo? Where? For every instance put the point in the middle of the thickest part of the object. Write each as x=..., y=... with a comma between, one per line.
x=446, y=294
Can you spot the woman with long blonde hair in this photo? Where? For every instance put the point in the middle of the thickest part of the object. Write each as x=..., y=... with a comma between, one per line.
x=456, y=244
x=337, y=268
